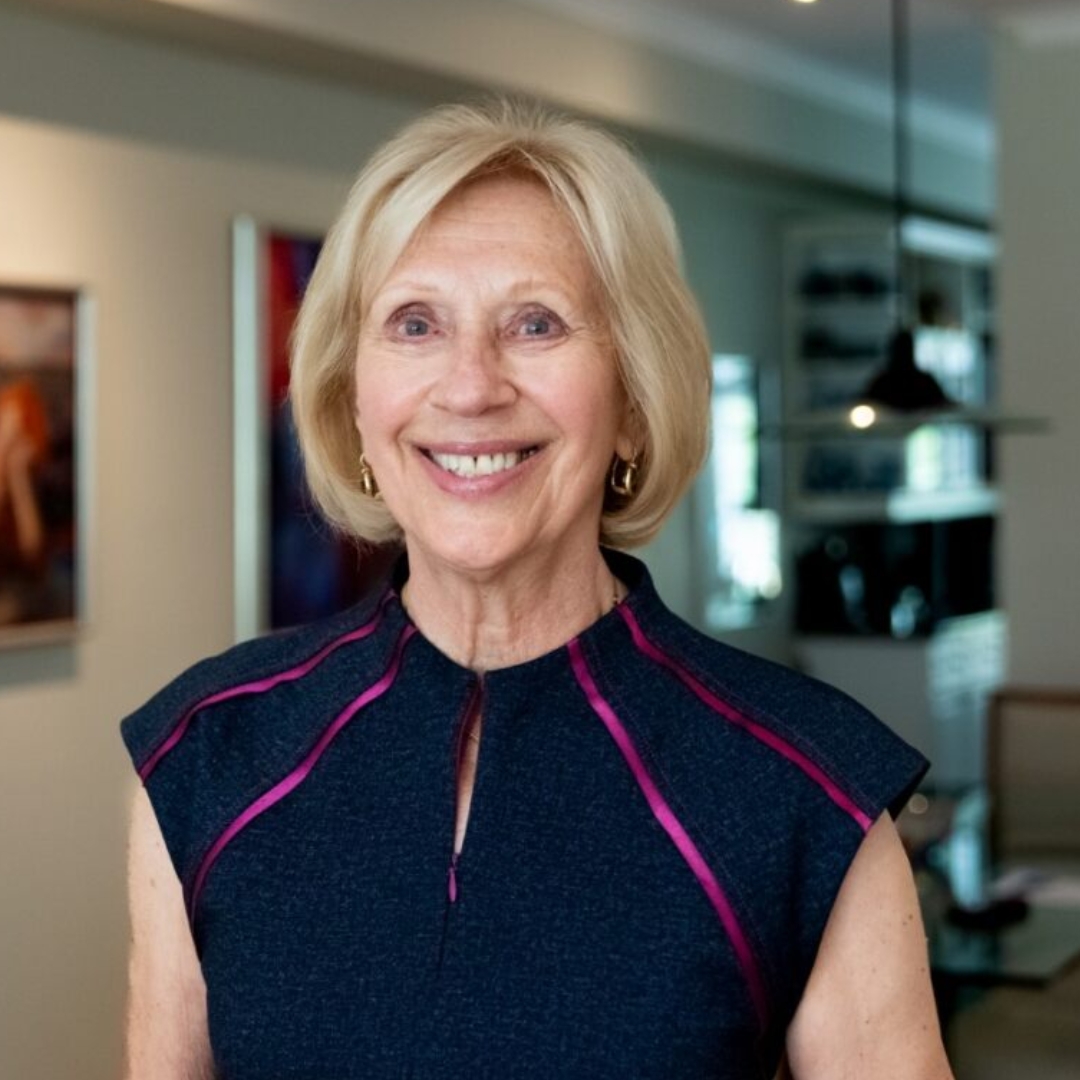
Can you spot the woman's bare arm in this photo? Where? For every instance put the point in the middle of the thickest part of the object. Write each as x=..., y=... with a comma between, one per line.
x=167, y=1036
x=868, y=1008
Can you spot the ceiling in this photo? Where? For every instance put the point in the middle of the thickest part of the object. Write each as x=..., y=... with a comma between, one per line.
x=837, y=47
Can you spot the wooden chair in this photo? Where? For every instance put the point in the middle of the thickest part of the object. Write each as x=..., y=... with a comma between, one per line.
x=1033, y=775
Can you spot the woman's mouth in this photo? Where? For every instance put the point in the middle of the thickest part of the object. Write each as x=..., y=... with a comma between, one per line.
x=469, y=465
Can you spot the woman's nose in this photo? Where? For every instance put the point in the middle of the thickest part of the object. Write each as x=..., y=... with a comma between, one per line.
x=475, y=379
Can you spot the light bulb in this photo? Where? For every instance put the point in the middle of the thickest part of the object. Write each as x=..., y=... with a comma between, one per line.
x=862, y=416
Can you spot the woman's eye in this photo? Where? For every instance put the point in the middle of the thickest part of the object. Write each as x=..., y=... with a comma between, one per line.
x=411, y=324
x=539, y=324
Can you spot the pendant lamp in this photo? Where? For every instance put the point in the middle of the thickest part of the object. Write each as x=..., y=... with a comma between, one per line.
x=900, y=397
x=901, y=385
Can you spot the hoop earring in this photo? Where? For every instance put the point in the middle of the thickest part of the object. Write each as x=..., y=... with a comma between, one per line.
x=623, y=478
x=368, y=484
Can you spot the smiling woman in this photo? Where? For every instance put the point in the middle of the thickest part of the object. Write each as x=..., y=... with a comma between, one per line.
x=622, y=251
x=488, y=397
x=509, y=816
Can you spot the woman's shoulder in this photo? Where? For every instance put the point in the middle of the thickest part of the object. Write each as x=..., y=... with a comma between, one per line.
x=776, y=776
x=762, y=685
x=828, y=742
x=242, y=672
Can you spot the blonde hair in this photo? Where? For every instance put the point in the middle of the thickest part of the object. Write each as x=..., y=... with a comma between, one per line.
x=627, y=231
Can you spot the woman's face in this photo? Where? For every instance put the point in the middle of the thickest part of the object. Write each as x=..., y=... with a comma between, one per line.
x=487, y=395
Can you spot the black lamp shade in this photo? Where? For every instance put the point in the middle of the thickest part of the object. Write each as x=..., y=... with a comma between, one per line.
x=903, y=386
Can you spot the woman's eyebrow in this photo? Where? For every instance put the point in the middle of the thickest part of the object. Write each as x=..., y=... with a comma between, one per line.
x=561, y=301
x=393, y=289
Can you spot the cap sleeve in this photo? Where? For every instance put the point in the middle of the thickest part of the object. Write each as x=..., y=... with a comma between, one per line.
x=820, y=771
x=171, y=779
x=874, y=772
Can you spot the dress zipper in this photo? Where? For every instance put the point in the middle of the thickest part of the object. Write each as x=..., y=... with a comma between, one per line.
x=472, y=710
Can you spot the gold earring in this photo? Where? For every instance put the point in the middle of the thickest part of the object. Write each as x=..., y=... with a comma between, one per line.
x=368, y=484
x=623, y=479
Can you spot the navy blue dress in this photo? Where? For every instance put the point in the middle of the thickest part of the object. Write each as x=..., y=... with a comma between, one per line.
x=659, y=827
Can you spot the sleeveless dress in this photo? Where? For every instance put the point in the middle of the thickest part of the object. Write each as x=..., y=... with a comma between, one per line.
x=659, y=826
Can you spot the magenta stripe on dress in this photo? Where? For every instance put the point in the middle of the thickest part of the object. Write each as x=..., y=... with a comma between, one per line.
x=759, y=731
x=673, y=827
x=300, y=773
x=258, y=686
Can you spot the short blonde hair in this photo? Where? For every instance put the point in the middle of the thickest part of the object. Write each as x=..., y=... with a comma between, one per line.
x=627, y=231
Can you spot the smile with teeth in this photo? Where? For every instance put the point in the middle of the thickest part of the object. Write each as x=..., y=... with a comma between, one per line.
x=480, y=464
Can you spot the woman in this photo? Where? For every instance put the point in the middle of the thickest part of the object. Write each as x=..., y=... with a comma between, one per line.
x=509, y=816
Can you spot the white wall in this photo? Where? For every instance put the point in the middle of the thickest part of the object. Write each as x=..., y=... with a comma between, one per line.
x=1039, y=86
x=604, y=66
x=143, y=224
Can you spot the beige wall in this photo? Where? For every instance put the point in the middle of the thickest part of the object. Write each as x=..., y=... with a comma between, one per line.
x=143, y=224
x=161, y=562
x=603, y=67
x=1039, y=86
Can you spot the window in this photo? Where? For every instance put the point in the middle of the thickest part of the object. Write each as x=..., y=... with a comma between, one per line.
x=744, y=538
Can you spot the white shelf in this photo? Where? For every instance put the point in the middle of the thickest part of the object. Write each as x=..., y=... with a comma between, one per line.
x=836, y=424
x=896, y=506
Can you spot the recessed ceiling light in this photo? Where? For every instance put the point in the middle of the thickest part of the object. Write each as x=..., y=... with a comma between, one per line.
x=805, y=1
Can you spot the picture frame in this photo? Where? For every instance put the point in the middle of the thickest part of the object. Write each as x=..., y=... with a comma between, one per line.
x=290, y=566
x=45, y=467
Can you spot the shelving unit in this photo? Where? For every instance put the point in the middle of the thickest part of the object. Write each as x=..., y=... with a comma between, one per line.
x=890, y=529
x=841, y=308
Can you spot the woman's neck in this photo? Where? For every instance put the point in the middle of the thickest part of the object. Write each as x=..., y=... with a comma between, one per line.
x=503, y=617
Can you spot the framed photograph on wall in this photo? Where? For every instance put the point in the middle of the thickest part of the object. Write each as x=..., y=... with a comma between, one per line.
x=290, y=567
x=43, y=468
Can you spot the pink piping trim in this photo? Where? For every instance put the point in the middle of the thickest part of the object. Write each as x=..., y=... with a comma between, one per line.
x=673, y=827
x=300, y=773
x=781, y=746
x=258, y=686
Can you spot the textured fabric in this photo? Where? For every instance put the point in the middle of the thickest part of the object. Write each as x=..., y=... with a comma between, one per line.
x=659, y=826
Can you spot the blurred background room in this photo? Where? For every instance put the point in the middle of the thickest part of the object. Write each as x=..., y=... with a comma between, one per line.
x=878, y=207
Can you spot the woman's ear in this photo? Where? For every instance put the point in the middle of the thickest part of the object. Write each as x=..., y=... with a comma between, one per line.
x=356, y=421
x=631, y=434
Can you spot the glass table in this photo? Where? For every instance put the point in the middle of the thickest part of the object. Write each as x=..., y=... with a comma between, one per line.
x=1035, y=950
x=945, y=834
